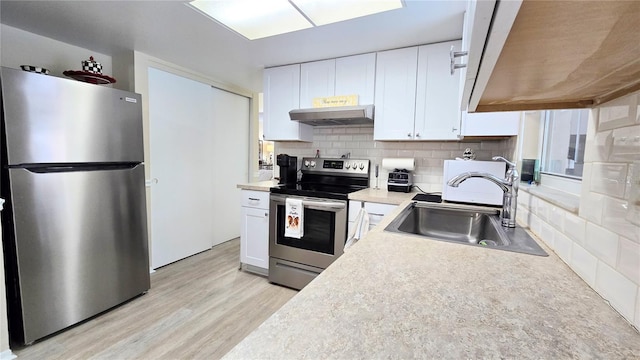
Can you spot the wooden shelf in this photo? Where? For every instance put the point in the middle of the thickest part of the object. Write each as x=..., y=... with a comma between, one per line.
x=566, y=54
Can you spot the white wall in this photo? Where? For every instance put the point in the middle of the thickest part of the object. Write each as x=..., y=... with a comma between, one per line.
x=601, y=243
x=20, y=47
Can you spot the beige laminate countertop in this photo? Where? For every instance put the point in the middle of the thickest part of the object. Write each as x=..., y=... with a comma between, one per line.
x=399, y=296
x=381, y=196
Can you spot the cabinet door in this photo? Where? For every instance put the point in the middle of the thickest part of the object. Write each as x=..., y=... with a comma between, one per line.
x=377, y=212
x=355, y=75
x=437, y=99
x=254, y=237
x=317, y=79
x=281, y=95
x=395, y=94
x=504, y=123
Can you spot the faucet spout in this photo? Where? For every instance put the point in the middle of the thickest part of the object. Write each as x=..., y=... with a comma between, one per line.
x=456, y=181
x=509, y=186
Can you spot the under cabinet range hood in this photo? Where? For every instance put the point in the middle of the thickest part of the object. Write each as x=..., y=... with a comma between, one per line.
x=342, y=115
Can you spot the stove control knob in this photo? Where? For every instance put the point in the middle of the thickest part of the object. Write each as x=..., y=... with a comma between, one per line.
x=361, y=166
x=347, y=166
x=313, y=164
x=306, y=163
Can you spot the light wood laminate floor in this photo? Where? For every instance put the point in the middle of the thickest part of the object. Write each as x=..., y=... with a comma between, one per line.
x=197, y=308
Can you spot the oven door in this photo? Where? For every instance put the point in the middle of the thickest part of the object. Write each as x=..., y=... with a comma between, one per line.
x=325, y=231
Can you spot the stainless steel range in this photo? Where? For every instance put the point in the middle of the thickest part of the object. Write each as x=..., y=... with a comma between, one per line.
x=324, y=189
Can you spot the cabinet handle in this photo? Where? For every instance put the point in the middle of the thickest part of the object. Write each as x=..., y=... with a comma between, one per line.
x=254, y=199
x=409, y=134
x=374, y=214
x=452, y=56
x=266, y=214
x=417, y=134
x=453, y=129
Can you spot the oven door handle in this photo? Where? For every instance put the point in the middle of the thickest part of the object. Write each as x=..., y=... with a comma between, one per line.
x=323, y=205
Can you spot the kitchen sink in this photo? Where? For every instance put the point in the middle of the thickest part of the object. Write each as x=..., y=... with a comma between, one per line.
x=471, y=227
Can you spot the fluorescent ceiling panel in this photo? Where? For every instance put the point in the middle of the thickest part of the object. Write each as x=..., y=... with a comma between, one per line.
x=255, y=19
x=329, y=11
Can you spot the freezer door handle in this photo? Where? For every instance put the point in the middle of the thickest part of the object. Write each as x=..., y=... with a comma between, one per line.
x=57, y=168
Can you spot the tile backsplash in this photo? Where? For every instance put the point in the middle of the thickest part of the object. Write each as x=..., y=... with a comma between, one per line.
x=430, y=155
x=601, y=243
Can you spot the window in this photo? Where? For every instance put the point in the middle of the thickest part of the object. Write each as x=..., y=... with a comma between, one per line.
x=564, y=142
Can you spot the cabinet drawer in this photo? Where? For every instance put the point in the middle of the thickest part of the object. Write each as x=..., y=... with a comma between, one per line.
x=255, y=199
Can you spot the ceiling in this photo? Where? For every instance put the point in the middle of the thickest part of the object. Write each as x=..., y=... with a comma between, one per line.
x=172, y=31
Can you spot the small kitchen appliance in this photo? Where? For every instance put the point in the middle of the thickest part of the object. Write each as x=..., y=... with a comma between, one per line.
x=400, y=180
x=324, y=190
x=288, y=168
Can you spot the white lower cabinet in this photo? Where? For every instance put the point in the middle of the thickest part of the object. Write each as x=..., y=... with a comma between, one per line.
x=376, y=212
x=254, y=232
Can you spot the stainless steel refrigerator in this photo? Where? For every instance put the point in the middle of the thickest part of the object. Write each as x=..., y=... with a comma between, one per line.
x=74, y=225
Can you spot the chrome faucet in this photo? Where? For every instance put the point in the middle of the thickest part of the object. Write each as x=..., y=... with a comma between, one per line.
x=509, y=185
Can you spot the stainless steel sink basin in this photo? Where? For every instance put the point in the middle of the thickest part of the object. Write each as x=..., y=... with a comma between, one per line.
x=471, y=227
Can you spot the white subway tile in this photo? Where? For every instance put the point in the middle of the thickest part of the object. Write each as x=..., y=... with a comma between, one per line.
x=535, y=225
x=599, y=148
x=547, y=234
x=614, y=218
x=584, y=264
x=609, y=179
x=574, y=227
x=633, y=194
x=617, y=289
x=556, y=217
x=406, y=153
x=441, y=154
x=562, y=246
x=524, y=199
x=626, y=144
x=629, y=260
x=591, y=207
x=451, y=146
x=339, y=130
x=346, y=138
x=522, y=216
x=616, y=113
x=491, y=145
x=602, y=243
x=543, y=209
x=585, y=185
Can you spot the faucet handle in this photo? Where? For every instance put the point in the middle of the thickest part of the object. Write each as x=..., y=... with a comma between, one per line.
x=500, y=158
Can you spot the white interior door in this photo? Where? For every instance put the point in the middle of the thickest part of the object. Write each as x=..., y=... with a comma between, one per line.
x=181, y=164
x=230, y=161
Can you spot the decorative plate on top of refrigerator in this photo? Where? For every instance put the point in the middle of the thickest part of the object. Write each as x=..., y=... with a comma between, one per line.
x=91, y=72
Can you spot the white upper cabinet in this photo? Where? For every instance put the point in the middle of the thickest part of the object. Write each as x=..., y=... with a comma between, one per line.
x=504, y=123
x=395, y=94
x=477, y=20
x=351, y=75
x=417, y=98
x=317, y=79
x=355, y=75
x=281, y=95
x=437, y=94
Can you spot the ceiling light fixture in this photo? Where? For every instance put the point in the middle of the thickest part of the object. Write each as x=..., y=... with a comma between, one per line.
x=256, y=19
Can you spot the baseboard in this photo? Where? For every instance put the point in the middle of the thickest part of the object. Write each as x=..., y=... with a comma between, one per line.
x=255, y=270
x=7, y=355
